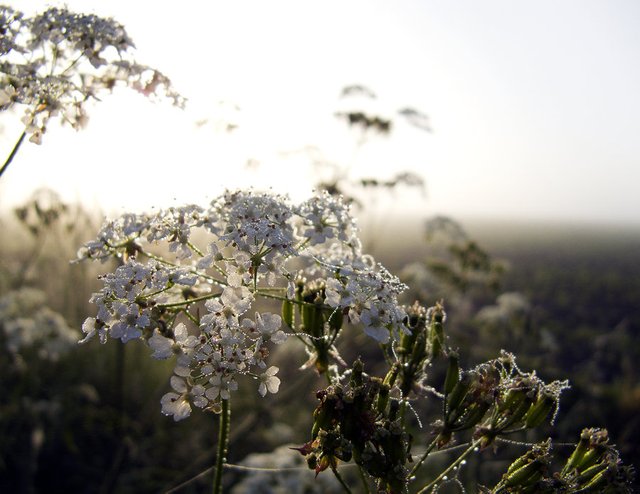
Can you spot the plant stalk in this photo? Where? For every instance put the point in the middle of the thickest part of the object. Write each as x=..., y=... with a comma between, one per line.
x=14, y=151
x=365, y=484
x=423, y=457
x=444, y=473
x=341, y=480
x=223, y=445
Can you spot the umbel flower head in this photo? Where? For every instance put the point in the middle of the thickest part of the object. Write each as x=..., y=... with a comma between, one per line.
x=56, y=61
x=196, y=300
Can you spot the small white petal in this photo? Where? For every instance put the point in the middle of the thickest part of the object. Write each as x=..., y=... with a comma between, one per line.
x=273, y=384
x=178, y=384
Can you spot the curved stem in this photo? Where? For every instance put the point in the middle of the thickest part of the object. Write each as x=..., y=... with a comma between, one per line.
x=13, y=151
x=444, y=473
x=223, y=444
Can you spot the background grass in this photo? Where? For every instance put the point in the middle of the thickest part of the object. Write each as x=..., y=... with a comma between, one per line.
x=91, y=421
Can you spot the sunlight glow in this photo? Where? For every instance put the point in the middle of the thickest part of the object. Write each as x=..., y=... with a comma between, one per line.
x=525, y=124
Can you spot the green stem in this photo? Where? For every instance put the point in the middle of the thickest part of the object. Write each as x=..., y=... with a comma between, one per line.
x=13, y=152
x=223, y=444
x=365, y=484
x=189, y=301
x=301, y=303
x=423, y=457
x=444, y=473
x=341, y=480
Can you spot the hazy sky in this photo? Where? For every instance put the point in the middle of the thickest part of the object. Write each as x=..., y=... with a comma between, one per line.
x=535, y=106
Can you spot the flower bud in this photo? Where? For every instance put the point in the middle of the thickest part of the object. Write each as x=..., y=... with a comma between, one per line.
x=519, y=462
x=392, y=375
x=525, y=475
x=383, y=398
x=453, y=373
x=474, y=415
x=519, y=408
x=590, y=473
x=578, y=453
x=321, y=419
x=287, y=313
x=597, y=483
x=539, y=411
x=459, y=391
x=356, y=373
x=436, y=332
x=590, y=458
x=512, y=399
x=444, y=438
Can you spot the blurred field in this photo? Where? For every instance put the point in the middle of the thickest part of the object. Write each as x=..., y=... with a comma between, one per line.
x=583, y=322
x=89, y=420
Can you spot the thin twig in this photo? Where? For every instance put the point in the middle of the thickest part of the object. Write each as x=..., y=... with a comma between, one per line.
x=444, y=473
x=423, y=458
x=341, y=480
x=223, y=443
x=13, y=152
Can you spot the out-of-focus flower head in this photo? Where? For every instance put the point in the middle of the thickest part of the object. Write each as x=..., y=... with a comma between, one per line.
x=53, y=63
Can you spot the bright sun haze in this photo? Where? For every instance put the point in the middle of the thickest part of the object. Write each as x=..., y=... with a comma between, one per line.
x=534, y=106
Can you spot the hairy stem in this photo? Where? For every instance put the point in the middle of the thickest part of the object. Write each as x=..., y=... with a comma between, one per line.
x=444, y=473
x=13, y=151
x=189, y=301
x=423, y=457
x=223, y=444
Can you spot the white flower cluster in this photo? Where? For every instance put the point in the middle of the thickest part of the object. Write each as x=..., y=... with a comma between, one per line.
x=57, y=60
x=26, y=323
x=194, y=299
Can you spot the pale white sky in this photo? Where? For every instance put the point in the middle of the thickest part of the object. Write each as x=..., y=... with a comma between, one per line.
x=535, y=106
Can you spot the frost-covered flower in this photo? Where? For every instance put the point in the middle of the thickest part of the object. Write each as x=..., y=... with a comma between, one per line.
x=130, y=322
x=374, y=324
x=239, y=270
x=213, y=255
x=55, y=62
x=269, y=381
x=183, y=339
x=175, y=225
x=341, y=295
x=120, y=233
x=325, y=217
x=177, y=404
x=266, y=326
x=245, y=243
x=221, y=387
x=225, y=311
x=91, y=327
x=257, y=223
x=161, y=345
x=27, y=324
